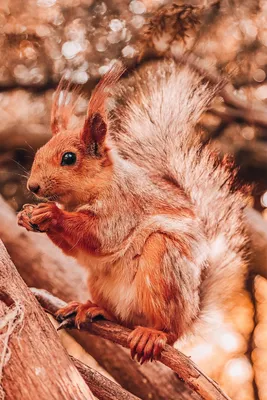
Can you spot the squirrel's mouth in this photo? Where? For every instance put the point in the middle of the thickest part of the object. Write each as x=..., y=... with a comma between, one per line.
x=54, y=197
x=45, y=195
x=48, y=197
x=58, y=198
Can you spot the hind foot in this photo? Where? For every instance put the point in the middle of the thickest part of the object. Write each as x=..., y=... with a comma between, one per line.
x=147, y=343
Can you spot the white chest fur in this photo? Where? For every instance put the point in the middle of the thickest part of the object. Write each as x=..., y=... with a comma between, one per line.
x=114, y=284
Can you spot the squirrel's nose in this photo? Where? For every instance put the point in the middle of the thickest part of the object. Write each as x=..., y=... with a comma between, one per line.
x=34, y=187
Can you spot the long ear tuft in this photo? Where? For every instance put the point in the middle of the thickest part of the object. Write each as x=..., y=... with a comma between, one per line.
x=64, y=103
x=95, y=126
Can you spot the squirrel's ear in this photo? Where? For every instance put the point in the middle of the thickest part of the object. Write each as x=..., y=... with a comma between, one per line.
x=95, y=127
x=94, y=133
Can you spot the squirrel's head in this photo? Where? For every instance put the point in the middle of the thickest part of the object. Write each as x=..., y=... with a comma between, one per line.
x=75, y=165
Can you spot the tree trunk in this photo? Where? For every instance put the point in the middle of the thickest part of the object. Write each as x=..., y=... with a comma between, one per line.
x=34, y=364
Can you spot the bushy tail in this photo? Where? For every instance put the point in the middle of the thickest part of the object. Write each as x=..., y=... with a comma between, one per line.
x=160, y=108
x=154, y=125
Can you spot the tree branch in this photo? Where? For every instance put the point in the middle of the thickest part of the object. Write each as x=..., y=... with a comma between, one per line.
x=186, y=370
x=247, y=114
x=102, y=387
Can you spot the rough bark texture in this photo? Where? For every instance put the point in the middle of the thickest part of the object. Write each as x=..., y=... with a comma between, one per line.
x=33, y=363
x=44, y=266
x=102, y=387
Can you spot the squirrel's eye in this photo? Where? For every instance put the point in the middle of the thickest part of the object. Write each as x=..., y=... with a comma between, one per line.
x=68, y=159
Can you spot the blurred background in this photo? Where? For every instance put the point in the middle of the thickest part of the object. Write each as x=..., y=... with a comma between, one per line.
x=40, y=40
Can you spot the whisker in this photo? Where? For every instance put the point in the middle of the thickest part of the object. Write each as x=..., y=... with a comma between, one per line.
x=29, y=146
x=5, y=171
x=24, y=149
x=21, y=166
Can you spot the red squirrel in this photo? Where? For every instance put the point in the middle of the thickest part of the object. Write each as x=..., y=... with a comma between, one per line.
x=135, y=196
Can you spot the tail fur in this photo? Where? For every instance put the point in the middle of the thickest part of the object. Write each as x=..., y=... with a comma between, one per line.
x=154, y=125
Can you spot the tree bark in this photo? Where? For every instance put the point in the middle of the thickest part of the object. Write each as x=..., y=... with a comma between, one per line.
x=33, y=363
x=102, y=387
x=44, y=266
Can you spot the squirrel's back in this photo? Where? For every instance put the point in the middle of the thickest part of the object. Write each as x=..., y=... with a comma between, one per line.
x=154, y=125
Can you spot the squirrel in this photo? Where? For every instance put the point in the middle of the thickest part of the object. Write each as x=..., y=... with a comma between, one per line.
x=136, y=197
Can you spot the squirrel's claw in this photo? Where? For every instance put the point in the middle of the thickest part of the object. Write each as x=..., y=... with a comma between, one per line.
x=86, y=312
x=67, y=323
x=28, y=207
x=146, y=343
x=23, y=219
x=68, y=311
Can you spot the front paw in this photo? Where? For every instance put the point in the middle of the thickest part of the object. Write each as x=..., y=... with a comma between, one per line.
x=24, y=217
x=83, y=312
x=45, y=216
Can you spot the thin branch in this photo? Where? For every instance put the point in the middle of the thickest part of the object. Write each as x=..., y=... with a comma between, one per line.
x=186, y=370
x=31, y=87
x=249, y=115
x=102, y=387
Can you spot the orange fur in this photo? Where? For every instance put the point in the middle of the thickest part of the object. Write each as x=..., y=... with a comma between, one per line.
x=153, y=291
x=144, y=207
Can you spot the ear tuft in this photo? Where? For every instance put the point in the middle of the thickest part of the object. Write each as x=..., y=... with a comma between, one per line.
x=64, y=102
x=101, y=91
x=95, y=126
